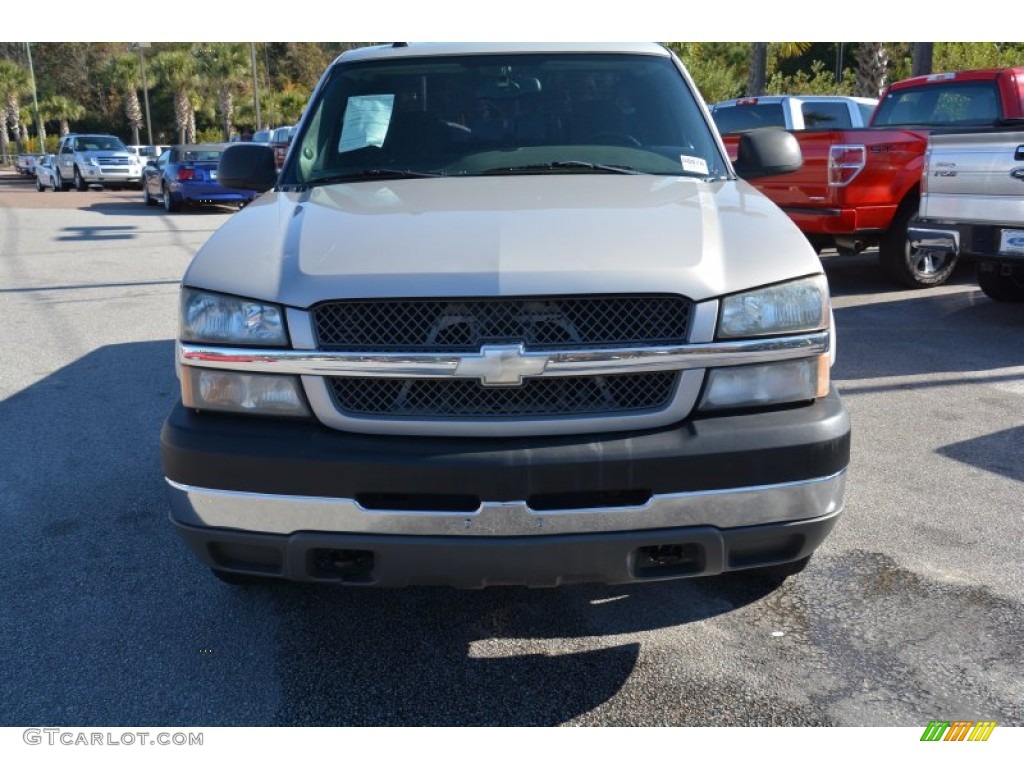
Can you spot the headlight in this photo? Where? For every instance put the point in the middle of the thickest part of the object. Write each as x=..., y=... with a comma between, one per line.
x=214, y=318
x=796, y=307
x=92, y=161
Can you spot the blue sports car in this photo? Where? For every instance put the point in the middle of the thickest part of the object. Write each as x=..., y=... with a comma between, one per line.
x=187, y=175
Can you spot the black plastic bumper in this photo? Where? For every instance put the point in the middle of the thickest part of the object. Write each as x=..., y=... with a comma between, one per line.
x=534, y=561
x=259, y=455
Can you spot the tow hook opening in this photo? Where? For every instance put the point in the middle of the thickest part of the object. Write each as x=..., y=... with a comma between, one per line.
x=663, y=561
x=350, y=566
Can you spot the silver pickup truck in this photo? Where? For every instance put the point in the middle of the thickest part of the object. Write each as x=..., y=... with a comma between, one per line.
x=507, y=315
x=972, y=202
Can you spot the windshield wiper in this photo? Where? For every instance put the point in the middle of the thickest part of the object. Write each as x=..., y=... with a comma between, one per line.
x=560, y=165
x=372, y=173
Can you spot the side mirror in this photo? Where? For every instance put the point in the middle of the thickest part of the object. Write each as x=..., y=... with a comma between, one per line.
x=151, y=163
x=247, y=166
x=767, y=152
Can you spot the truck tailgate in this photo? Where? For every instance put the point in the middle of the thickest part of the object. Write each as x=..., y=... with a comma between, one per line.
x=977, y=177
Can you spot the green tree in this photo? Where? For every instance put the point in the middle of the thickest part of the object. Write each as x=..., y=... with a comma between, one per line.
x=14, y=83
x=123, y=76
x=229, y=69
x=177, y=72
x=61, y=109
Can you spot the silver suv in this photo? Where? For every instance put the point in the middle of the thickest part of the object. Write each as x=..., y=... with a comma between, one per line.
x=506, y=316
x=88, y=159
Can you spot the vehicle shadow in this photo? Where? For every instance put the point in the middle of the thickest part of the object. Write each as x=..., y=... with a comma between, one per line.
x=110, y=611
x=138, y=208
x=952, y=329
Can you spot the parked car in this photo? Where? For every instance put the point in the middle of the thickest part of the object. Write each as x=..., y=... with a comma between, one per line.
x=794, y=113
x=281, y=139
x=972, y=203
x=187, y=175
x=147, y=152
x=860, y=187
x=46, y=174
x=508, y=315
x=87, y=159
x=25, y=163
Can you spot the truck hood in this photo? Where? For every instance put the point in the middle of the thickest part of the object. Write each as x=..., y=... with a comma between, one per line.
x=504, y=236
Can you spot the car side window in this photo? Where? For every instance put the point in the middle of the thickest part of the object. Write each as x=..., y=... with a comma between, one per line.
x=162, y=160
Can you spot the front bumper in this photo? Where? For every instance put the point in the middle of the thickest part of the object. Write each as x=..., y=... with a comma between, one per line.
x=277, y=497
x=111, y=175
x=476, y=562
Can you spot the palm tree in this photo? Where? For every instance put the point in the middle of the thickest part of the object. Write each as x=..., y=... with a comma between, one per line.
x=228, y=67
x=872, y=71
x=922, y=58
x=63, y=109
x=14, y=81
x=176, y=70
x=123, y=76
x=757, y=75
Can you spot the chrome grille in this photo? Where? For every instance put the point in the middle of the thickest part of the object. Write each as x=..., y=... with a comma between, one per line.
x=464, y=325
x=461, y=398
x=114, y=161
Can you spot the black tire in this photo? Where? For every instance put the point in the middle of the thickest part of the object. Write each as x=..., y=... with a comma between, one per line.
x=55, y=183
x=169, y=205
x=912, y=267
x=80, y=184
x=147, y=198
x=1000, y=287
x=39, y=185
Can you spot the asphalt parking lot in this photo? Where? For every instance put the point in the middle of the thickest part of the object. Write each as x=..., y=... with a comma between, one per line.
x=911, y=611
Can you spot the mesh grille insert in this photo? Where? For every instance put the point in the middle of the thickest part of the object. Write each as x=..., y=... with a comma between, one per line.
x=463, y=325
x=461, y=398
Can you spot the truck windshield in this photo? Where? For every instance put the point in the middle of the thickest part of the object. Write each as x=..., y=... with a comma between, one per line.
x=971, y=102
x=516, y=113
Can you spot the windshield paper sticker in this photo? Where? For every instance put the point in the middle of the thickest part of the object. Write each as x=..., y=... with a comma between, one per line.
x=692, y=164
x=366, y=121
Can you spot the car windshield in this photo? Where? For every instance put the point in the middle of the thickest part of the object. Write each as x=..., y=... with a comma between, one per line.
x=100, y=143
x=504, y=114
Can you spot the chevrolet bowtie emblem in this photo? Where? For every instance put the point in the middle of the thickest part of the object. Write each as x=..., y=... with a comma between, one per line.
x=501, y=365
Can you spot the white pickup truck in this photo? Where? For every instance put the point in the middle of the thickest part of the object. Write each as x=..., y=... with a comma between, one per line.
x=972, y=203
x=794, y=113
x=507, y=315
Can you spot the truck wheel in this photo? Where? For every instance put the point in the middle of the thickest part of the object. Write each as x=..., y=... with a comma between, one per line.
x=1000, y=287
x=39, y=185
x=80, y=184
x=912, y=267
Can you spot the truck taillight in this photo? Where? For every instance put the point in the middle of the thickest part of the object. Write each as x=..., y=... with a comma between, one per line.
x=845, y=161
x=186, y=174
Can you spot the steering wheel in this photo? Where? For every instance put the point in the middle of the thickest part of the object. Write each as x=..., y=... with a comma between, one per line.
x=616, y=139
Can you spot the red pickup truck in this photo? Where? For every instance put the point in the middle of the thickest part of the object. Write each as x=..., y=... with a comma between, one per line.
x=859, y=187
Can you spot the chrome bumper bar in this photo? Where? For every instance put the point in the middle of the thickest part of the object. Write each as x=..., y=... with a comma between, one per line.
x=728, y=508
